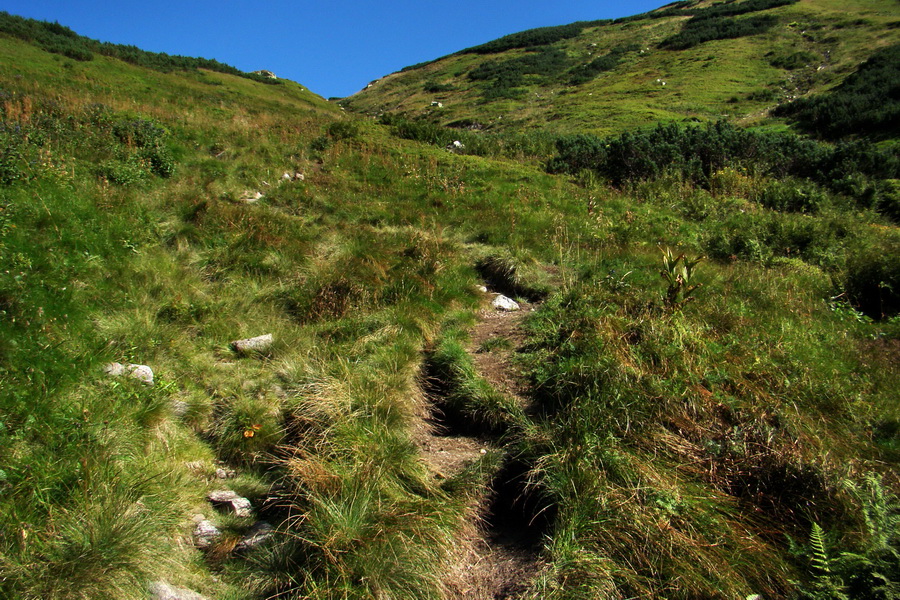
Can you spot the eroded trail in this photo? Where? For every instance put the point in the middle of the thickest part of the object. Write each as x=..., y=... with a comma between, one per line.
x=498, y=551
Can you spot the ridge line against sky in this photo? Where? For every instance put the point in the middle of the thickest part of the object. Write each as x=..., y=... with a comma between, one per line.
x=332, y=49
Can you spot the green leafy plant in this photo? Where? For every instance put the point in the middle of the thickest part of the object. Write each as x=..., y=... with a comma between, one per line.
x=678, y=271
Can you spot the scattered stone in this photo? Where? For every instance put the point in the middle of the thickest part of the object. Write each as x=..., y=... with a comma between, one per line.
x=258, y=534
x=225, y=473
x=501, y=302
x=296, y=176
x=230, y=500
x=251, y=197
x=265, y=73
x=198, y=518
x=160, y=590
x=481, y=289
x=205, y=534
x=180, y=408
x=254, y=344
x=141, y=372
x=195, y=465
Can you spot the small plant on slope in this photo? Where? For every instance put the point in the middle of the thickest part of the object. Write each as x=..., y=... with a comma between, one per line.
x=678, y=271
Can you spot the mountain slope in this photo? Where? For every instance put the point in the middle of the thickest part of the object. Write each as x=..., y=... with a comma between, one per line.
x=604, y=77
x=663, y=424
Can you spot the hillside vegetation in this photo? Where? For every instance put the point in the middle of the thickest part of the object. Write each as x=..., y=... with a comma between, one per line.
x=701, y=404
x=685, y=61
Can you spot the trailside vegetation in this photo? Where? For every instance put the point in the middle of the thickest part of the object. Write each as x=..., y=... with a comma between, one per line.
x=787, y=174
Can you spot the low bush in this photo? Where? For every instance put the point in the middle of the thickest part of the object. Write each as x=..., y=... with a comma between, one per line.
x=697, y=31
x=872, y=281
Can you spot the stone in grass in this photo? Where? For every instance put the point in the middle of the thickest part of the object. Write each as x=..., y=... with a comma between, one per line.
x=260, y=343
x=139, y=372
x=160, y=590
x=501, y=302
x=231, y=501
x=225, y=473
x=258, y=534
x=206, y=534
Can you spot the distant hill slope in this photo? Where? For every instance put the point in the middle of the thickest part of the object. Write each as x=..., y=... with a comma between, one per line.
x=687, y=60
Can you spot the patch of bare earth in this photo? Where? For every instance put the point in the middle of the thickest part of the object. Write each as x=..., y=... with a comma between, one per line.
x=498, y=551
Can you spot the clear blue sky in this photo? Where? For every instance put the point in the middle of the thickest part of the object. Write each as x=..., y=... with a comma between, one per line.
x=333, y=48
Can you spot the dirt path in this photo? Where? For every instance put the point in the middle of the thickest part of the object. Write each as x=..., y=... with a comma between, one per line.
x=498, y=552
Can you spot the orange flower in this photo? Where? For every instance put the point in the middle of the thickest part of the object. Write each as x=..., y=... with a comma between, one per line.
x=249, y=433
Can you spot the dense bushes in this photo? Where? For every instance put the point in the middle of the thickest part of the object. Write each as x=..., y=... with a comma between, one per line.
x=715, y=23
x=59, y=39
x=697, y=31
x=696, y=152
x=542, y=36
x=866, y=103
x=505, y=75
x=872, y=281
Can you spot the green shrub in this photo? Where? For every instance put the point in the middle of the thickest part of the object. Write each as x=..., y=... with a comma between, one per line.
x=697, y=31
x=872, y=281
x=791, y=195
x=542, y=36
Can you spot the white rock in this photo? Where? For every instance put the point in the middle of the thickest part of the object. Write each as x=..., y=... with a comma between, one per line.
x=224, y=473
x=481, y=289
x=141, y=372
x=257, y=344
x=205, y=534
x=501, y=302
x=251, y=197
x=298, y=176
x=286, y=176
x=231, y=501
x=160, y=590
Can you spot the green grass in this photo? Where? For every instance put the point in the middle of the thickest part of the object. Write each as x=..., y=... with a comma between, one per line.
x=679, y=447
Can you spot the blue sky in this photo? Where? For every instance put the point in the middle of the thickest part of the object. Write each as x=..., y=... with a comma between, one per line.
x=333, y=48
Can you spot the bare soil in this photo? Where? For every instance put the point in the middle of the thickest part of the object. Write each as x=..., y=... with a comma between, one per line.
x=497, y=554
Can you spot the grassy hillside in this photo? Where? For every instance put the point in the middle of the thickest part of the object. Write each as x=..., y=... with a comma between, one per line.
x=604, y=77
x=702, y=403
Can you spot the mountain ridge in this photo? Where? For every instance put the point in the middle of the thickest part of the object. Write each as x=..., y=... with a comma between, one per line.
x=627, y=76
